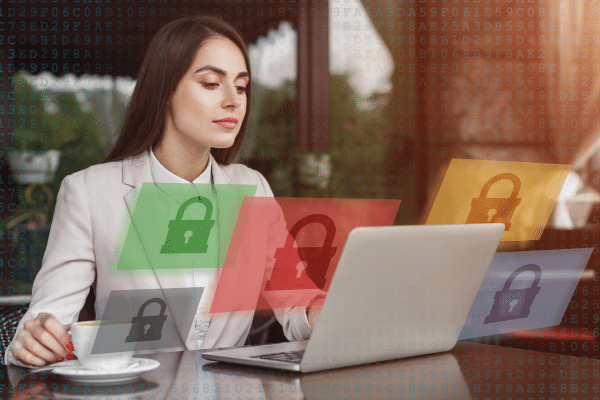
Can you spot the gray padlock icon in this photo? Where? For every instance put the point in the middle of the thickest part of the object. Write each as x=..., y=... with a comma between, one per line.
x=145, y=328
x=516, y=303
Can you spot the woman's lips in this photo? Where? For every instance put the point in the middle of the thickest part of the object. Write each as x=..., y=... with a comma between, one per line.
x=226, y=124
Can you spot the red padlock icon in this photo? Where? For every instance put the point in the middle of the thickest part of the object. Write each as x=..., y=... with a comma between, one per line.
x=303, y=267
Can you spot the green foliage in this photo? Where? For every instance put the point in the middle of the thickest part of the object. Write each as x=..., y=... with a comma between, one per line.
x=276, y=120
x=355, y=134
x=70, y=129
x=356, y=138
x=32, y=130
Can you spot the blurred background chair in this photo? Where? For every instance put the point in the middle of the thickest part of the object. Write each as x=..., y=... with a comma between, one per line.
x=10, y=315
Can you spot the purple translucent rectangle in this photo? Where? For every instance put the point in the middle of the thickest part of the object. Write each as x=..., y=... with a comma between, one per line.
x=525, y=290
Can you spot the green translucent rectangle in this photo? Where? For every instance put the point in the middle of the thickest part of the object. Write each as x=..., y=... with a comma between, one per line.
x=155, y=219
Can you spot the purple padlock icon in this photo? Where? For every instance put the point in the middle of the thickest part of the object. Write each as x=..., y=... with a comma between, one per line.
x=512, y=304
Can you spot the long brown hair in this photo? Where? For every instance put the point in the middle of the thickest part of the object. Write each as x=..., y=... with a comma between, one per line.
x=169, y=56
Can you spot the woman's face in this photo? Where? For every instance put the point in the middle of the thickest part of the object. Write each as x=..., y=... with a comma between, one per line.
x=209, y=103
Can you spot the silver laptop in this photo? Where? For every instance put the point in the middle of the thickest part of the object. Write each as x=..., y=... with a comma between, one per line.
x=397, y=291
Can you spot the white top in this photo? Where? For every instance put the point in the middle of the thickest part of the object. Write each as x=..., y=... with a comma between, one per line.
x=202, y=277
x=162, y=175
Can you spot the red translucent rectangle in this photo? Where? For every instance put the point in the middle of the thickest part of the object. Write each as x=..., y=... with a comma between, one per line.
x=287, y=249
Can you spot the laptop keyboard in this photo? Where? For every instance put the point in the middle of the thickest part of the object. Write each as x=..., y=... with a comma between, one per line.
x=293, y=357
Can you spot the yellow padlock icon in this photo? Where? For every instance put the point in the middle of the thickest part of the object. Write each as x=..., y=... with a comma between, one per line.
x=484, y=209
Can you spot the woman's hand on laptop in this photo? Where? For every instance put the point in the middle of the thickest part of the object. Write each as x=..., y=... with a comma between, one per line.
x=314, y=309
x=42, y=341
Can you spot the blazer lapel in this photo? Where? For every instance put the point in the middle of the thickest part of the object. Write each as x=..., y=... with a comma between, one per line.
x=136, y=172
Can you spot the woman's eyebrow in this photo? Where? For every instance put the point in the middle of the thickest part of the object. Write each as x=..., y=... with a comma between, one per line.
x=220, y=71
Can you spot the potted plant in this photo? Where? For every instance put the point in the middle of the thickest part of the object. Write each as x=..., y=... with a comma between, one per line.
x=33, y=165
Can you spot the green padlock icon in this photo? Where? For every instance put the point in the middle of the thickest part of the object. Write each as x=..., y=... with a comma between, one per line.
x=189, y=236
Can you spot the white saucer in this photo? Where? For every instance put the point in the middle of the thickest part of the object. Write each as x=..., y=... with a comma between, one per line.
x=105, y=391
x=133, y=371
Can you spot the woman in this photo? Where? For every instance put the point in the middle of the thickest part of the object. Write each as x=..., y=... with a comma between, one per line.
x=185, y=123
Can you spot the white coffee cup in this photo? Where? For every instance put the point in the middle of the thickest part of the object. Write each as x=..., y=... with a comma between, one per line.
x=84, y=335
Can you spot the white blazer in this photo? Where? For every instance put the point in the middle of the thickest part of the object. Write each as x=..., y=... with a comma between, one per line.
x=93, y=205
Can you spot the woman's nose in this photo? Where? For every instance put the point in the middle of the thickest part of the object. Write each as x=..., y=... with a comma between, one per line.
x=232, y=98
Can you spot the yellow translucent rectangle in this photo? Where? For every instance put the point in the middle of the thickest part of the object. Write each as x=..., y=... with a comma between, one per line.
x=519, y=194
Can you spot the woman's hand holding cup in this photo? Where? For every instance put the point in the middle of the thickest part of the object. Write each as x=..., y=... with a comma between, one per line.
x=43, y=340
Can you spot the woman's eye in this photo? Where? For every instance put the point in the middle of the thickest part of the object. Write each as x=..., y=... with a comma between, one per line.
x=241, y=89
x=209, y=84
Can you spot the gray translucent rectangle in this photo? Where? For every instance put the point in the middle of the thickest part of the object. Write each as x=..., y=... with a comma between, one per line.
x=560, y=273
x=158, y=330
